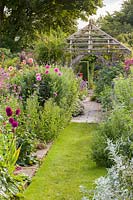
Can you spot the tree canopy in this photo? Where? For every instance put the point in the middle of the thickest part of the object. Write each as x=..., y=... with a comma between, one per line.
x=20, y=19
x=120, y=24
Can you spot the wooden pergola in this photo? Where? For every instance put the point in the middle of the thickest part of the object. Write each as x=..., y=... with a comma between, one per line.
x=91, y=40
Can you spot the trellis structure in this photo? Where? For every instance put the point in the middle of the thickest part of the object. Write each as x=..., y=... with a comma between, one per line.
x=93, y=41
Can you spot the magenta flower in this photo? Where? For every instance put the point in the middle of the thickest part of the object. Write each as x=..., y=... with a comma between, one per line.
x=56, y=70
x=9, y=111
x=60, y=74
x=18, y=111
x=46, y=71
x=18, y=168
x=128, y=62
x=38, y=78
x=14, y=124
x=47, y=66
x=131, y=61
x=11, y=120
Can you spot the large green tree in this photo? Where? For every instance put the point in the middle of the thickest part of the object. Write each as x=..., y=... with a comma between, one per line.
x=120, y=24
x=20, y=18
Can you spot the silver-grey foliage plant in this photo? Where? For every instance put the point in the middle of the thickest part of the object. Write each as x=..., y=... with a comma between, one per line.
x=118, y=183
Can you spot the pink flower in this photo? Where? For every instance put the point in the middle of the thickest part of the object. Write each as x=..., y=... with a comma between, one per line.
x=127, y=68
x=47, y=72
x=10, y=68
x=128, y=62
x=60, y=74
x=18, y=111
x=38, y=78
x=38, y=74
x=47, y=66
x=131, y=61
x=30, y=60
x=20, y=97
x=56, y=70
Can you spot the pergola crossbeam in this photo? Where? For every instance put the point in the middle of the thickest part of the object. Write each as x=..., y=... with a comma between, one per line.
x=93, y=40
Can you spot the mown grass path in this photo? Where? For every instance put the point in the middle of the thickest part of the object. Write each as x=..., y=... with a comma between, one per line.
x=67, y=166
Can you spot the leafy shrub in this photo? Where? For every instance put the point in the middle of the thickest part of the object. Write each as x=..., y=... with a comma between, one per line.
x=50, y=121
x=106, y=76
x=106, y=98
x=57, y=85
x=118, y=124
x=123, y=91
x=78, y=108
x=49, y=48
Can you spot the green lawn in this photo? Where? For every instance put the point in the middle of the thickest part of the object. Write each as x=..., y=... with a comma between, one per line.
x=67, y=166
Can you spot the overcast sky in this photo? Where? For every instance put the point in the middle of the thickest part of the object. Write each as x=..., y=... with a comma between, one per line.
x=109, y=6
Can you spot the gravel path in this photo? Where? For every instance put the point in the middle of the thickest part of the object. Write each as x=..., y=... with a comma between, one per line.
x=92, y=112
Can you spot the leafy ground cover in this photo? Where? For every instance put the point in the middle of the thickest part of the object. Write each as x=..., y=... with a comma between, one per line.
x=67, y=166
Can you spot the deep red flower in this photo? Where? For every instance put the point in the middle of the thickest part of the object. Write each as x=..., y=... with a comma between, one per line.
x=9, y=111
x=18, y=111
x=18, y=168
x=11, y=120
x=14, y=124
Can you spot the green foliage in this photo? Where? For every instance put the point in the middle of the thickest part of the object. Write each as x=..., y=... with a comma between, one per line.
x=123, y=92
x=23, y=133
x=118, y=125
x=49, y=48
x=41, y=118
x=78, y=108
x=118, y=183
x=51, y=121
x=27, y=82
x=10, y=185
x=20, y=20
x=105, y=77
x=61, y=88
x=120, y=24
x=106, y=98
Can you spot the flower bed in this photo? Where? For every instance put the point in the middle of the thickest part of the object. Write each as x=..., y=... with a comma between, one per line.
x=36, y=104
